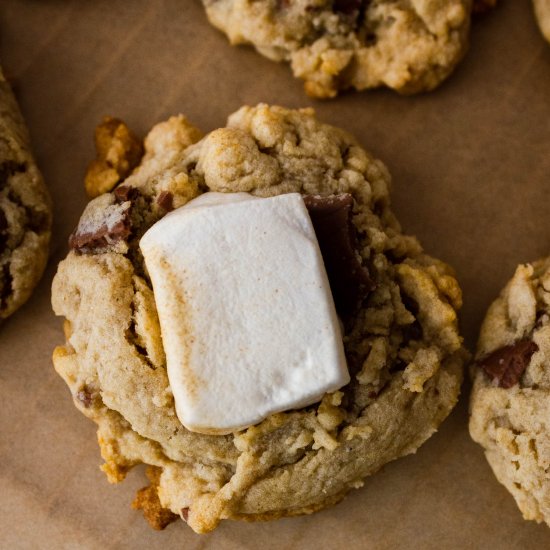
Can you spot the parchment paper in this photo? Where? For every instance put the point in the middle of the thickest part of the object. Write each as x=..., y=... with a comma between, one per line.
x=471, y=165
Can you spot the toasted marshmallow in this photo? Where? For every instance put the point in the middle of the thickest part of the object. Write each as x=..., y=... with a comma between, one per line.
x=247, y=317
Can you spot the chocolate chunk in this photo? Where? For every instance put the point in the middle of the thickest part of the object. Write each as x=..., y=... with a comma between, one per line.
x=166, y=200
x=125, y=193
x=102, y=238
x=398, y=365
x=3, y=221
x=349, y=279
x=8, y=168
x=506, y=365
x=413, y=331
x=89, y=237
x=6, y=280
x=85, y=396
x=39, y=221
x=347, y=7
x=354, y=361
x=3, y=231
x=371, y=39
x=185, y=514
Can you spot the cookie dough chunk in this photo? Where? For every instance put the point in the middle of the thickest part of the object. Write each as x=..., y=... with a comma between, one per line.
x=400, y=336
x=341, y=44
x=25, y=209
x=510, y=403
x=542, y=13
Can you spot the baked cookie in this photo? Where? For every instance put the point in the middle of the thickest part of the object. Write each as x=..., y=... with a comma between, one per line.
x=401, y=340
x=510, y=403
x=25, y=209
x=336, y=45
x=542, y=13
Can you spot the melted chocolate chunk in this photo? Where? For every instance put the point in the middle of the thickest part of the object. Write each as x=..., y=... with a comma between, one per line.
x=108, y=233
x=506, y=365
x=349, y=279
x=102, y=238
x=166, y=200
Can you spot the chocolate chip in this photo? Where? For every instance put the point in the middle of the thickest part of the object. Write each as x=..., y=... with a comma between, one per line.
x=117, y=227
x=506, y=365
x=125, y=193
x=349, y=279
x=166, y=200
x=185, y=514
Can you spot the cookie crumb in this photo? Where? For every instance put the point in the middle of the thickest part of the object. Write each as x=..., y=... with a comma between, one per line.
x=118, y=152
x=147, y=500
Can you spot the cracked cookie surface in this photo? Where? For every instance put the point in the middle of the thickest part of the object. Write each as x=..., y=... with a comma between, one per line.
x=341, y=44
x=402, y=344
x=510, y=401
x=25, y=209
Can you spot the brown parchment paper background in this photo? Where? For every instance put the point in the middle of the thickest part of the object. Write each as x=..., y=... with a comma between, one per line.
x=471, y=168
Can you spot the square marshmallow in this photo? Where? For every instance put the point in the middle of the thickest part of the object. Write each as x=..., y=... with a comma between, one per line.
x=246, y=312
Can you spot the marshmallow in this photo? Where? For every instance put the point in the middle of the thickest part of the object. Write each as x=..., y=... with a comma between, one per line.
x=246, y=312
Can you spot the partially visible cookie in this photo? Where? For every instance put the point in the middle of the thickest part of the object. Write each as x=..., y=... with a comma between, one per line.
x=25, y=209
x=510, y=403
x=542, y=12
x=336, y=45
